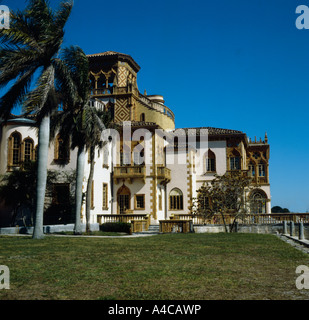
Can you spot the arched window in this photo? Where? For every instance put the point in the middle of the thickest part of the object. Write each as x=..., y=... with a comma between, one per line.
x=142, y=117
x=28, y=146
x=262, y=171
x=125, y=155
x=62, y=149
x=210, y=161
x=176, y=200
x=258, y=202
x=14, y=154
x=251, y=168
x=235, y=160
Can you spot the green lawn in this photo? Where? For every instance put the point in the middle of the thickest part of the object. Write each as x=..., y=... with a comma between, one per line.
x=171, y=266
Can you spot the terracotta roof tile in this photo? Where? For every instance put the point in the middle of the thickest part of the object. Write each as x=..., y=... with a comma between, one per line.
x=212, y=131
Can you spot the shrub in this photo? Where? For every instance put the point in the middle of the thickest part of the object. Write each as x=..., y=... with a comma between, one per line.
x=115, y=227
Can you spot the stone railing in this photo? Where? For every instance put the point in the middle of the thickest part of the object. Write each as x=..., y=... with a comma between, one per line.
x=140, y=225
x=296, y=231
x=139, y=222
x=126, y=218
x=157, y=106
x=247, y=219
x=176, y=226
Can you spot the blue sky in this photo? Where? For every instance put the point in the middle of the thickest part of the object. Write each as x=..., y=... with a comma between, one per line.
x=235, y=64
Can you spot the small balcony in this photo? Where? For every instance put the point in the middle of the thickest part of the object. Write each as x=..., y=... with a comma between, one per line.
x=163, y=174
x=129, y=172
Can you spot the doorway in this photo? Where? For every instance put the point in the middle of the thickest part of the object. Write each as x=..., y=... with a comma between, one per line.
x=123, y=199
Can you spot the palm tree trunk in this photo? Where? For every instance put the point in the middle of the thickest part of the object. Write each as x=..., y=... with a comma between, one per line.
x=89, y=190
x=80, y=164
x=41, y=176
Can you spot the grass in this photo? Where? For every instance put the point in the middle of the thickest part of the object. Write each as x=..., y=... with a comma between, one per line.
x=171, y=266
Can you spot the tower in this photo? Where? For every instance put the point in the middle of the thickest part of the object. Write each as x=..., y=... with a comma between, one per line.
x=113, y=81
x=113, y=78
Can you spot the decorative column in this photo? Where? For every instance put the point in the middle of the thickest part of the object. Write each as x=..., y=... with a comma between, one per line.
x=301, y=231
x=268, y=206
x=285, y=227
x=291, y=228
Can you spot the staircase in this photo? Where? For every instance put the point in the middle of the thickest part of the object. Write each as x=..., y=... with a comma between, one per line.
x=153, y=229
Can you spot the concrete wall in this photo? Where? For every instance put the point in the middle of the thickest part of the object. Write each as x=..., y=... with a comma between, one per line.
x=254, y=228
x=46, y=229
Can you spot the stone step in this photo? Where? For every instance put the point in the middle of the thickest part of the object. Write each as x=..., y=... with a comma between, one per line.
x=153, y=229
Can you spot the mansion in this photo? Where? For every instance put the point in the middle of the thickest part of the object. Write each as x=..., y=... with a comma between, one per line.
x=147, y=166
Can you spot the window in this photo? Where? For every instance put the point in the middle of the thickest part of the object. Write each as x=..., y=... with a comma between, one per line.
x=139, y=201
x=235, y=163
x=105, y=156
x=14, y=149
x=61, y=193
x=105, y=196
x=176, y=200
x=142, y=117
x=205, y=203
x=28, y=150
x=20, y=151
x=261, y=169
x=251, y=168
x=125, y=158
x=235, y=160
x=210, y=161
x=62, y=151
x=138, y=157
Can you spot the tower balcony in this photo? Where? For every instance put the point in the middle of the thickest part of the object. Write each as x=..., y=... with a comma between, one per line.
x=112, y=91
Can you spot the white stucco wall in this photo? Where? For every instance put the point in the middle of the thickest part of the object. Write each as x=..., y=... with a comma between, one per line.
x=183, y=171
x=26, y=132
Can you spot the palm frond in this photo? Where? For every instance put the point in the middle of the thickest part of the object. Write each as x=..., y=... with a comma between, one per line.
x=63, y=13
x=78, y=64
x=40, y=16
x=64, y=82
x=36, y=98
x=19, y=35
x=16, y=94
x=15, y=63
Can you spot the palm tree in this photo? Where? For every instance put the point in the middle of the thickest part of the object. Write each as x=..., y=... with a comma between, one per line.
x=96, y=123
x=81, y=121
x=29, y=50
x=72, y=120
x=84, y=124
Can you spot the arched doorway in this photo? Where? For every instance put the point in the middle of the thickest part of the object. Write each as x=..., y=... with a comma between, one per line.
x=123, y=199
x=258, y=200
